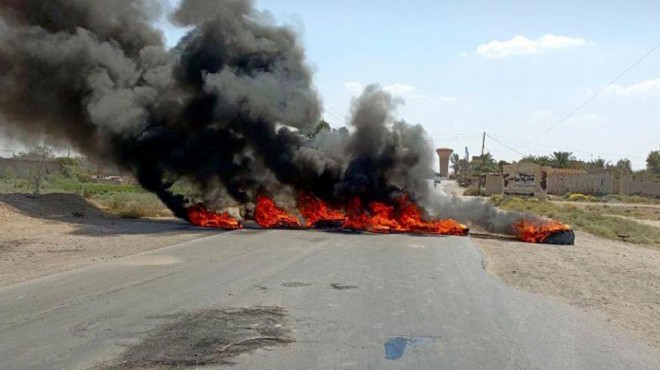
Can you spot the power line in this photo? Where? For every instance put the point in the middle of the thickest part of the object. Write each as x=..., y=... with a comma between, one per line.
x=338, y=112
x=334, y=116
x=594, y=96
x=506, y=146
x=534, y=148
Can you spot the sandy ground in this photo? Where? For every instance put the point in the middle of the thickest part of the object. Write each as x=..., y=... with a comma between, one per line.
x=616, y=281
x=40, y=236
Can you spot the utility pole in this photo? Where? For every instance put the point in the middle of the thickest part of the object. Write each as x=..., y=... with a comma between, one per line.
x=466, y=164
x=481, y=164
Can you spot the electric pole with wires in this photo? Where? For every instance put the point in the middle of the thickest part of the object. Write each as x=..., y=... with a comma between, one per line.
x=481, y=164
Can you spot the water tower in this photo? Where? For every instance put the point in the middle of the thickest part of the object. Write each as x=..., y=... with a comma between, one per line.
x=444, y=154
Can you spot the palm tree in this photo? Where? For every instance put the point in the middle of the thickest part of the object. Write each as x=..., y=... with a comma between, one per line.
x=486, y=163
x=562, y=159
x=597, y=164
x=542, y=160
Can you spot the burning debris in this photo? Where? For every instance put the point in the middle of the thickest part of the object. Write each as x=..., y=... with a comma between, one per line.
x=544, y=231
x=224, y=111
x=198, y=215
x=404, y=216
x=318, y=214
x=269, y=215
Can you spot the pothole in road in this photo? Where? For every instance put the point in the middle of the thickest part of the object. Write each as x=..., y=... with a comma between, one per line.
x=210, y=337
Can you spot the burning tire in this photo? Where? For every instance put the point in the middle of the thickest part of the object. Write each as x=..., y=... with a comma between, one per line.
x=562, y=237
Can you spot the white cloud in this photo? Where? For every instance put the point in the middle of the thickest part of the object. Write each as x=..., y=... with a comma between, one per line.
x=399, y=89
x=638, y=88
x=407, y=92
x=521, y=45
x=354, y=88
x=463, y=54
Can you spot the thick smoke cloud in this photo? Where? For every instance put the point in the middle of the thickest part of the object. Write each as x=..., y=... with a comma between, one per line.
x=223, y=109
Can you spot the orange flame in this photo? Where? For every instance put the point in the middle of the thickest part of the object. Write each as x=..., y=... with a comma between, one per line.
x=410, y=218
x=315, y=210
x=269, y=215
x=378, y=217
x=537, y=231
x=400, y=216
x=200, y=216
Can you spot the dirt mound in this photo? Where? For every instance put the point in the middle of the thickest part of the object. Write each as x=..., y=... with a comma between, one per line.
x=50, y=206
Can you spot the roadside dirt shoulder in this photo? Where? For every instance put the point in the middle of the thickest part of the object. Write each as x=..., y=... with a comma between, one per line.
x=616, y=281
x=43, y=235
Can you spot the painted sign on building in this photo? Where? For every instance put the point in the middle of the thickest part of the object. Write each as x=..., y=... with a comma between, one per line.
x=525, y=180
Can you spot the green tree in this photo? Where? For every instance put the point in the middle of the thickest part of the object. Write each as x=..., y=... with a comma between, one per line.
x=562, y=159
x=597, y=164
x=40, y=154
x=321, y=126
x=484, y=164
x=624, y=165
x=622, y=168
x=9, y=174
x=653, y=162
x=541, y=160
x=528, y=159
x=455, y=160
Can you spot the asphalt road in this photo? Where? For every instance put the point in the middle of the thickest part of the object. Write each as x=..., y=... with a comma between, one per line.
x=418, y=303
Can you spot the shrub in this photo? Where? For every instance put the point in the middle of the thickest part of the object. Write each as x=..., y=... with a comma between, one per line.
x=472, y=191
x=577, y=197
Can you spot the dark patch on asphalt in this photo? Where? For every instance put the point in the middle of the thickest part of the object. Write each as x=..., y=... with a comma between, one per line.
x=342, y=286
x=396, y=347
x=210, y=337
x=295, y=284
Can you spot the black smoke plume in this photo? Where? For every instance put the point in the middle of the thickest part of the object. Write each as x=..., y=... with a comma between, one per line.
x=223, y=109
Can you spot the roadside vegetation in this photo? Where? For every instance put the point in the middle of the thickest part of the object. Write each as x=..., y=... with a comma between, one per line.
x=124, y=199
x=591, y=220
x=637, y=212
x=610, y=198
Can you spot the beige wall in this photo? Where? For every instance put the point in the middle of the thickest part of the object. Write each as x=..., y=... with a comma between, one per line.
x=640, y=188
x=524, y=179
x=560, y=184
